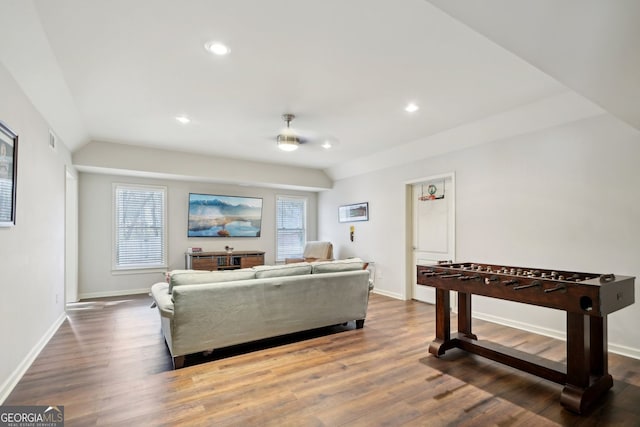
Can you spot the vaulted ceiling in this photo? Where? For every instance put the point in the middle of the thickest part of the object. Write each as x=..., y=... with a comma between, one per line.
x=121, y=71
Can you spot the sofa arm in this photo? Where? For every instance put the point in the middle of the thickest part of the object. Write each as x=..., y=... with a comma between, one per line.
x=162, y=298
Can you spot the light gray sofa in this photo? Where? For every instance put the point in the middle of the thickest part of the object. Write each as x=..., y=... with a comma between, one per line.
x=202, y=311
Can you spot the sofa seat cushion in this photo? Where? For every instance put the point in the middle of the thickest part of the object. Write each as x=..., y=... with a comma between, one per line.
x=267, y=271
x=192, y=278
x=337, y=266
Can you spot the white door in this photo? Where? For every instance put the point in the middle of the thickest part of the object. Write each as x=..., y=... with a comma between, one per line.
x=433, y=202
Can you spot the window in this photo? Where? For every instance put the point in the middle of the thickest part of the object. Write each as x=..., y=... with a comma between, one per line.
x=140, y=231
x=291, y=226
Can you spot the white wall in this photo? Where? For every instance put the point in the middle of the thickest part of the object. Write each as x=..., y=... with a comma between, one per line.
x=563, y=198
x=96, y=277
x=31, y=253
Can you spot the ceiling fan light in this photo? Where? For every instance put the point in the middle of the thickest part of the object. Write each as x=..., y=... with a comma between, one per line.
x=411, y=107
x=288, y=142
x=288, y=146
x=217, y=48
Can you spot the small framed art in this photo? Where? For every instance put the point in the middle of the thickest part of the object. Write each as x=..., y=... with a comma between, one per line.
x=354, y=212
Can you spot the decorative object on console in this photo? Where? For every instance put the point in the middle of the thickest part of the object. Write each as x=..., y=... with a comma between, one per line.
x=354, y=212
x=224, y=216
x=8, y=175
x=586, y=298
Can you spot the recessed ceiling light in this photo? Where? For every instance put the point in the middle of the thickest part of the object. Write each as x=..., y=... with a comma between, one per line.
x=326, y=145
x=411, y=108
x=217, y=48
x=183, y=119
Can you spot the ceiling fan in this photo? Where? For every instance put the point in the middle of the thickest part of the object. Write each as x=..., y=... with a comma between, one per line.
x=289, y=139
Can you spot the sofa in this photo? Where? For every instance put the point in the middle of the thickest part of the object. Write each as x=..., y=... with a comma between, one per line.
x=202, y=311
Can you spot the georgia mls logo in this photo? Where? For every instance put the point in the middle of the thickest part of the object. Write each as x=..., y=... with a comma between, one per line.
x=32, y=416
x=55, y=411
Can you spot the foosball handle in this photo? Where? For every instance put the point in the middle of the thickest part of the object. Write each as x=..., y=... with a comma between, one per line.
x=530, y=285
x=606, y=278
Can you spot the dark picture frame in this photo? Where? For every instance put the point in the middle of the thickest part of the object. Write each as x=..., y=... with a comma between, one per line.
x=354, y=212
x=8, y=175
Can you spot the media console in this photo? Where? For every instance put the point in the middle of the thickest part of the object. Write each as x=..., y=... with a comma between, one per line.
x=223, y=260
x=587, y=299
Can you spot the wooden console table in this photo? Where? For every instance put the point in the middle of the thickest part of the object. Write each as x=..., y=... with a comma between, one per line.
x=223, y=260
x=587, y=299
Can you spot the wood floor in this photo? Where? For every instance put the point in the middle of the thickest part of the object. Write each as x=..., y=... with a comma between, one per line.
x=108, y=365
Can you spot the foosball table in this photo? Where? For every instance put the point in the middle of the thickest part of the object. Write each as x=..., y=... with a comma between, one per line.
x=587, y=299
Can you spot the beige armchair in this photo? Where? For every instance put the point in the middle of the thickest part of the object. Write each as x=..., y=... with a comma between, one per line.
x=314, y=251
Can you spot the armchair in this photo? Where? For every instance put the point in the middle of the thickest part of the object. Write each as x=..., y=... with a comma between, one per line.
x=314, y=251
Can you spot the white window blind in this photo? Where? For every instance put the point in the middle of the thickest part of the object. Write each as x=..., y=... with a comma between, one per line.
x=291, y=226
x=139, y=226
x=6, y=193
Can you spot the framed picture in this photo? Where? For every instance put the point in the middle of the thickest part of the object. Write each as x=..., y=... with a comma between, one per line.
x=8, y=175
x=213, y=215
x=355, y=212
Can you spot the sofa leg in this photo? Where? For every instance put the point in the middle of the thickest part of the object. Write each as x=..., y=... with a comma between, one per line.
x=178, y=362
x=359, y=323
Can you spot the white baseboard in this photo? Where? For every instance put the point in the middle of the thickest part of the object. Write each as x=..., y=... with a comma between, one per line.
x=624, y=351
x=387, y=294
x=553, y=333
x=7, y=387
x=113, y=293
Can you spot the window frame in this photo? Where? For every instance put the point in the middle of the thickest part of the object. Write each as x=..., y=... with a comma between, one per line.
x=305, y=222
x=162, y=265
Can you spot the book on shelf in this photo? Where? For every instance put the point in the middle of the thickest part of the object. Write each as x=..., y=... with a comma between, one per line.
x=193, y=250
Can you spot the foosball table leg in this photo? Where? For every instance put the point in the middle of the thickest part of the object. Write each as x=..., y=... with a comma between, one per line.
x=587, y=373
x=443, y=341
x=464, y=315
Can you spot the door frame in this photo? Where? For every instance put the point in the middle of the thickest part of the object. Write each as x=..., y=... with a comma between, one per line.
x=408, y=290
x=71, y=237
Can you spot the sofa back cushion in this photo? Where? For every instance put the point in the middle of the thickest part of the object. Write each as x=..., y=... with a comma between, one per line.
x=337, y=266
x=297, y=269
x=192, y=278
x=168, y=274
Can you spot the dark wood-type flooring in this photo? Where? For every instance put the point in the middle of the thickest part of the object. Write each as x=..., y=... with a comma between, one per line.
x=108, y=365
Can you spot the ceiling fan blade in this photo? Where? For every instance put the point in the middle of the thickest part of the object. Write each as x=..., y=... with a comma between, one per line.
x=307, y=135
